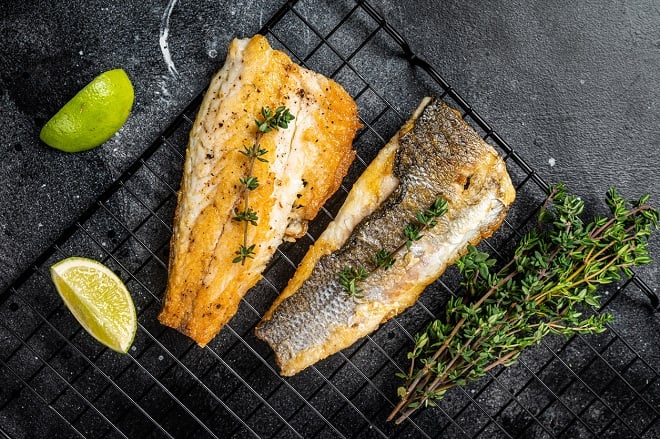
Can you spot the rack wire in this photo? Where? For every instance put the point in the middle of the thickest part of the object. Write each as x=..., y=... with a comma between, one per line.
x=57, y=381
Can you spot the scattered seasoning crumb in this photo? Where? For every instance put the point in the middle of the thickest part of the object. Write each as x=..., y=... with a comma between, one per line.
x=552, y=161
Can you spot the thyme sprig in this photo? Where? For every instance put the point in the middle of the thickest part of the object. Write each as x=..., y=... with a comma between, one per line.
x=384, y=259
x=545, y=288
x=280, y=118
x=273, y=120
x=349, y=278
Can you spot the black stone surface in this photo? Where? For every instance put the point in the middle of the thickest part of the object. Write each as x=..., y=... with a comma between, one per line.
x=572, y=86
x=575, y=85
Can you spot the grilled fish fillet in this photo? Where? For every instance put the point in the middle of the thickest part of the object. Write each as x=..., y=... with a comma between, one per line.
x=305, y=165
x=434, y=154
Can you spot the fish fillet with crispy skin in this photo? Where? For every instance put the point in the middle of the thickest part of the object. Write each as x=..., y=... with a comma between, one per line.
x=436, y=153
x=305, y=165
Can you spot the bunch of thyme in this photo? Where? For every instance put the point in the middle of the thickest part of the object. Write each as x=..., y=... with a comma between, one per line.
x=271, y=121
x=350, y=277
x=543, y=289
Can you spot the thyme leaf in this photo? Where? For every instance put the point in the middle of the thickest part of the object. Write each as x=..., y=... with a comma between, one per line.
x=249, y=216
x=383, y=259
x=274, y=120
x=244, y=253
x=250, y=183
x=349, y=278
x=412, y=232
x=254, y=151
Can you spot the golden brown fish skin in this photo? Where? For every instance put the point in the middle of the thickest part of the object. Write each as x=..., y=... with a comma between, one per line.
x=306, y=164
x=439, y=154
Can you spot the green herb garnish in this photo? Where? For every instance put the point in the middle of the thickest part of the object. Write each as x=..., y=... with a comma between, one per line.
x=271, y=121
x=384, y=259
x=349, y=278
x=553, y=275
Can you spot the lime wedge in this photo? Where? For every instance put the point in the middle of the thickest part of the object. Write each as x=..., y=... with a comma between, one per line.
x=93, y=115
x=98, y=299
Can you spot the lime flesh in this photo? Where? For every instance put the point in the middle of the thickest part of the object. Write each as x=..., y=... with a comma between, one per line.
x=98, y=299
x=93, y=115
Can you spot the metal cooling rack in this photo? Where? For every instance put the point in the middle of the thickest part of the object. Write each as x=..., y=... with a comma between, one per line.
x=58, y=382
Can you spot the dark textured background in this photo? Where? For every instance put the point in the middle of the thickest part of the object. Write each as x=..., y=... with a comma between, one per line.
x=572, y=86
x=576, y=82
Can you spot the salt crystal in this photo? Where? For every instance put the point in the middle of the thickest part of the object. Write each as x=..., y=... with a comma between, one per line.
x=552, y=161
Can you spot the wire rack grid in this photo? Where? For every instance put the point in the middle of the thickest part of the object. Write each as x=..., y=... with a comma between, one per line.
x=57, y=381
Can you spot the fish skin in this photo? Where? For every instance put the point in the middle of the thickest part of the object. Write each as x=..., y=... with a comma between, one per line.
x=305, y=165
x=436, y=153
